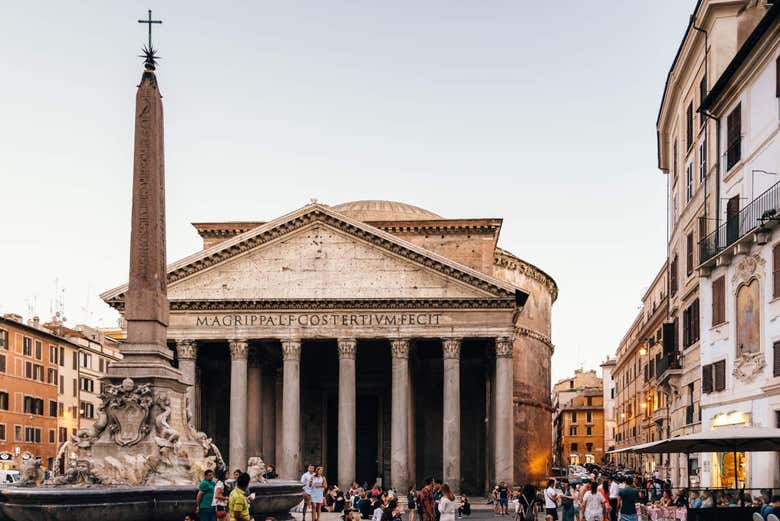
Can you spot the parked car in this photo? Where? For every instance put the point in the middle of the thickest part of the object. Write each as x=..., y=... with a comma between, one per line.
x=9, y=477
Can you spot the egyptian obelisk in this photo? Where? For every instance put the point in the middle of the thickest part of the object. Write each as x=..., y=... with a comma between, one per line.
x=145, y=351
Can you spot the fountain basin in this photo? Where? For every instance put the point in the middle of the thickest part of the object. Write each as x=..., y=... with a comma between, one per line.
x=142, y=503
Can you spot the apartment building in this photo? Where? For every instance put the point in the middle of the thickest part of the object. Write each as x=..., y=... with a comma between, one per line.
x=578, y=419
x=608, y=399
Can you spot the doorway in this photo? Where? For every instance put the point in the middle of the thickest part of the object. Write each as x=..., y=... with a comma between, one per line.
x=367, y=467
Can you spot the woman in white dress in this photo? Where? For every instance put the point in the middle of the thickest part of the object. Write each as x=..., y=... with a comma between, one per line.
x=317, y=484
x=593, y=503
x=447, y=506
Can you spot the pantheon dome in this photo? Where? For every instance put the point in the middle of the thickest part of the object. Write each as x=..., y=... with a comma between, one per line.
x=378, y=210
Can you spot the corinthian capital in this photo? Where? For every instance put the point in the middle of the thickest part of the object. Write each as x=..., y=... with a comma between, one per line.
x=291, y=350
x=503, y=347
x=347, y=348
x=239, y=349
x=186, y=349
x=451, y=348
x=400, y=347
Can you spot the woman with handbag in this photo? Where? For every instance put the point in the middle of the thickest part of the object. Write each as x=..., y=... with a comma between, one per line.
x=221, y=495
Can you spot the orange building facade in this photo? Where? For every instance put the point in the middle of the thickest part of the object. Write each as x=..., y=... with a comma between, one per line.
x=29, y=380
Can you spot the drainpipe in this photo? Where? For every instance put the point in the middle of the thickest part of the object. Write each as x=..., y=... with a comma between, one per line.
x=706, y=127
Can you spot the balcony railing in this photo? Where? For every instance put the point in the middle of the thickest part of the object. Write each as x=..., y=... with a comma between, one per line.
x=666, y=362
x=761, y=208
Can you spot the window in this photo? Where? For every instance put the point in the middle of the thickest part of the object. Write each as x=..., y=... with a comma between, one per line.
x=51, y=435
x=713, y=377
x=573, y=430
x=776, y=271
x=688, y=181
x=62, y=356
x=51, y=376
x=589, y=431
x=674, y=162
x=2, y=431
x=571, y=384
x=3, y=339
x=589, y=417
x=734, y=137
x=86, y=360
x=17, y=433
x=100, y=364
x=3, y=400
x=703, y=160
x=52, y=354
x=32, y=435
x=60, y=409
x=590, y=400
x=28, y=373
x=673, y=276
x=574, y=447
x=38, y=350
x=691, y=324
x=2, y=363
x=62, y=384
x=718, y=301
x=574, y=416
x=62, y=434
x=689, y=126
x=589, y=447
x=33, y=405
x=87, y=410
x=38, y=372
x=53, y=408
x=75, y=387
x=702, y=95
x=27, y=346
x=776, y=359
x=75, y=360
x=689, y=254
x=674, y=209
x=87, y=384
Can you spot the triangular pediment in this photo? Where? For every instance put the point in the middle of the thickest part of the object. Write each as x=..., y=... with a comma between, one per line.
x=316, y=253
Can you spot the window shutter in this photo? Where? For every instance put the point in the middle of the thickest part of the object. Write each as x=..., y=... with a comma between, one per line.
x=776, y=365
x=720, y=375
x=695, y=321
x=706, y=379
x=734, y=125
x=777, y=77
x=776, y=271
x=718, y=301
x=689, y=254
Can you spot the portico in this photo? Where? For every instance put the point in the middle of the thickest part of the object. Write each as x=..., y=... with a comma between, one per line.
x=321, y=338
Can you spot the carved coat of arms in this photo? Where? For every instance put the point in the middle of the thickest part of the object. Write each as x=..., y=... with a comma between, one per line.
x=128, y=407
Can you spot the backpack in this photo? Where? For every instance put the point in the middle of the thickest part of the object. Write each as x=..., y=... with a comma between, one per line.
x=528, y=510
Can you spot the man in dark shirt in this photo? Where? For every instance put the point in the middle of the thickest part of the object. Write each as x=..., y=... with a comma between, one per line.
x=503, y=499
x=627, y=499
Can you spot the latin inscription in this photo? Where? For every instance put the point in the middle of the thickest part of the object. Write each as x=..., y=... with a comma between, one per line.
x=318, y=320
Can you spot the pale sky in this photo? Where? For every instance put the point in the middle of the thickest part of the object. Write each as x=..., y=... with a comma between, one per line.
x=541, y=113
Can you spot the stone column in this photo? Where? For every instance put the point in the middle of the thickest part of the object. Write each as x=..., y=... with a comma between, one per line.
x=187, y=352
x=347, y=431
x=504, y=406
x=254, y=403
x=239, y=349
x=451, y=413
x=399, y=441
x=269, y=415
x=291, y=409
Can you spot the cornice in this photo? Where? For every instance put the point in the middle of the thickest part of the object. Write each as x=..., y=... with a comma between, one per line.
x=506, y=260
x=219, y=253
x=317, y=304
x=530, y=333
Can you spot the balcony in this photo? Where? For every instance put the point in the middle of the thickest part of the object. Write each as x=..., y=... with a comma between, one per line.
x=668, y=367
x=761, y=212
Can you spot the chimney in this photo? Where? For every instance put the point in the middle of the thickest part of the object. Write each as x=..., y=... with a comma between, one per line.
x=748, y=17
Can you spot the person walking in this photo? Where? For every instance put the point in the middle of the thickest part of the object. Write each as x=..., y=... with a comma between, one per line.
x=627, y=499
x=411, y=502
x=205, y=497
x=567, y=501
x=306, y=484
x=614, y=489
x=551, y=500
x=594, y=503
x=503, y=499
x=317, y=486
x=447, y=506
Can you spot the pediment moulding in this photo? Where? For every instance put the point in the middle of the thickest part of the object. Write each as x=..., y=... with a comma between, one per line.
x=318, y=214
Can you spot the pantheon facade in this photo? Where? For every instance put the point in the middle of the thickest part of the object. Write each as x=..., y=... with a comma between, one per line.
x=374, y=337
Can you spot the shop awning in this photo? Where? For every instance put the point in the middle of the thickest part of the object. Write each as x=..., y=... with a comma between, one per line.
x=723, y=439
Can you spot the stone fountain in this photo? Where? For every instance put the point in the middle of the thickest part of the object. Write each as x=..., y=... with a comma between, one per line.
x=143, y=458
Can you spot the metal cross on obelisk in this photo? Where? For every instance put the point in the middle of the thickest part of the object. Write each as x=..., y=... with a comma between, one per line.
x=149, y=22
